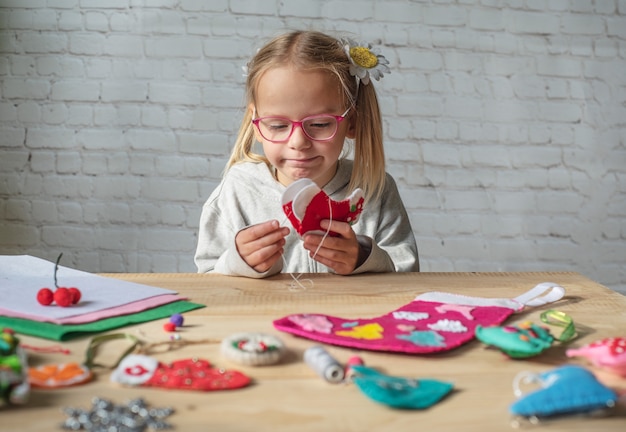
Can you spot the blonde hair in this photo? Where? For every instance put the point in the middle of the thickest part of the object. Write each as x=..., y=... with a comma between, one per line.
x=315, y=50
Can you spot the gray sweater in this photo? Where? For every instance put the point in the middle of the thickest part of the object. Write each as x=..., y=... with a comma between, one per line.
x=249, y=194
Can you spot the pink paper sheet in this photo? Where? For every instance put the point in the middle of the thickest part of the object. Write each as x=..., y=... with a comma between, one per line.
x=126, y=309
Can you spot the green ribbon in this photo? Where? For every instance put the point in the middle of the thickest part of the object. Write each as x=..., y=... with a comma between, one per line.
x=92, y=349
x=560, y=319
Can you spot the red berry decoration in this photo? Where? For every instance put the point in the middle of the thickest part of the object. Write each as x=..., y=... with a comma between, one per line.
x=62, y=296
x=75, y=292
x=169, y=327
x=45, y=296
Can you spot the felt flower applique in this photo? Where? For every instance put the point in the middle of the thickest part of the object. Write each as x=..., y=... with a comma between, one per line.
x=366, y=61
x=312, y=323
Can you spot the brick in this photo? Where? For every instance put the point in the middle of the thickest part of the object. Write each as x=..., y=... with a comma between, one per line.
x=395, y=11
x=44, y=212
x=100, y=139
x=70, y=20
x=532, y=22
x=171, y=46
x=16, y=88
x=50, y=138
x=170, y=190
x=174, y=94
x=75, y=90
x=486, y=19
x=124, y=91
x=67, y=237
x=12, y=137
x=17, y=234
x=150, y=140
x=29, y=112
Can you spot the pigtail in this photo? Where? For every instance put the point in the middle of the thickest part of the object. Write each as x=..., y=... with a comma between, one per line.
x=369, y=155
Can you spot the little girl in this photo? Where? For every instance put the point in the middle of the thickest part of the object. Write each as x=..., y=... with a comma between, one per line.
x=306, y=93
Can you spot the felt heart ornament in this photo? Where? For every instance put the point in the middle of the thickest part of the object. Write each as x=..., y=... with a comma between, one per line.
x=608, y=353
x=187, y=374
x=565, y=390
x=306, y=205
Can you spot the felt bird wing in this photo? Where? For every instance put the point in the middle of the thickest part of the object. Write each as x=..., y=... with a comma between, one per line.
x=306, y=205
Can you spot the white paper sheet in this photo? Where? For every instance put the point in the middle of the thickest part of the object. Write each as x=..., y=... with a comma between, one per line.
x=22, y=276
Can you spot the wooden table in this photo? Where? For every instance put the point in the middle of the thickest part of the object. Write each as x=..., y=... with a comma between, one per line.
x=291, y=397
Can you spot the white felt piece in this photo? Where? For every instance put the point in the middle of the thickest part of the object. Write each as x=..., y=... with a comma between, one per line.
x=292, y=190
x=303, y=198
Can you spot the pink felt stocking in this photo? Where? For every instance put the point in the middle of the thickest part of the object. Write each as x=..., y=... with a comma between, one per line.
x=432, y=322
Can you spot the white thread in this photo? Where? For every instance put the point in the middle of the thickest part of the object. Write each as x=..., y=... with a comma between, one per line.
x=324, y=364
x=296, y=284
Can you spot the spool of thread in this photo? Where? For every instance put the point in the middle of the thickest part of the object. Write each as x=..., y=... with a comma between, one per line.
x=353, y=361
x=324, y=364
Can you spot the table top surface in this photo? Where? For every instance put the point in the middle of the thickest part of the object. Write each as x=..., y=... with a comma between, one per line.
x=290, y=395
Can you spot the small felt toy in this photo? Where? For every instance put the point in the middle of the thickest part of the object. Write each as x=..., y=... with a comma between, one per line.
x=14, y=387
x=565, y=390
x=516, y=341
x=306, y=205
x=609, y=354
x=398, y=392
x=253, y=349
x=527, y=339
x=187, y=374
x=432, y=322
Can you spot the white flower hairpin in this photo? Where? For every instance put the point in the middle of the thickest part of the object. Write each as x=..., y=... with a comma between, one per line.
x=366, y=61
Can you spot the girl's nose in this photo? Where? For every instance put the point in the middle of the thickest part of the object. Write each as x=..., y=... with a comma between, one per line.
x=298, y=139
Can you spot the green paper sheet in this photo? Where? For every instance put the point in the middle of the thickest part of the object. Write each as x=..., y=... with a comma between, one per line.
x=59, y=332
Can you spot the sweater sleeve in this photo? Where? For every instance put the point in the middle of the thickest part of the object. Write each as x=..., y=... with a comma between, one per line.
x=393, y=247
x=220, y=221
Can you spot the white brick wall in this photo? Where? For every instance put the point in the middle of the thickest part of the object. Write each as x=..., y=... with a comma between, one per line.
x=505, y=125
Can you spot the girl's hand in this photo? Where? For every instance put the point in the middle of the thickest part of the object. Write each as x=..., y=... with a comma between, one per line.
x=339, y=253
x=261, y=245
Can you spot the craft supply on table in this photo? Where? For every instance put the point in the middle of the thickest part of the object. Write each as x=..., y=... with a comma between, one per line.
x=185, y=374
x=527, y=339
x=14, y=386
x=399, y=392
x=565, y=390
x=62, y=296
x=325, y=365
x=432, y=322
x=253, y=349
x=607, y=353
x=352, y=361
x=104, y=415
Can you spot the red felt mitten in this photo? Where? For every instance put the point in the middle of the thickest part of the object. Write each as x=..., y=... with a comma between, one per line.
x=306, y=205
x=188, y=374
